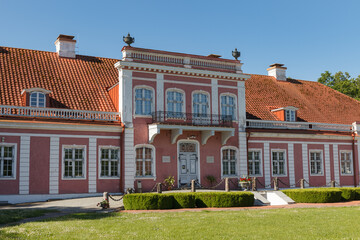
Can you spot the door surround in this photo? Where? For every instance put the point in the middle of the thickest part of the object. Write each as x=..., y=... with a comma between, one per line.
x=178, y=157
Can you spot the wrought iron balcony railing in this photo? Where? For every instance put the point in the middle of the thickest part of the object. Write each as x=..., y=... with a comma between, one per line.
x=15, y=111
x=196, y=119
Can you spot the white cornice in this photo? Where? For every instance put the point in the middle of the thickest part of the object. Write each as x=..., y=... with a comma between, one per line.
x=58, y=126
x=187, y=71
x=306, y=136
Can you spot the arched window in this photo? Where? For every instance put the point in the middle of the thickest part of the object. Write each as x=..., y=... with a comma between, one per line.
x=37, y=99
x=143, y=101
x=229, y=161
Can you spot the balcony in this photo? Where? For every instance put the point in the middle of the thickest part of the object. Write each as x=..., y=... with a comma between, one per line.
x=58, y=113
x=194, y=119
x=297, y=125
x=177, y=122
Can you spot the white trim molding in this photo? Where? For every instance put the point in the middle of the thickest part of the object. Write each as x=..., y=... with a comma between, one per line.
x=24, y=169
x=236, y=175
x=92, y=165
x=267, y=163
x=260, y=162
x=305, y=163
x=322, y=170
x=15, y=159
x=336, y=163
x=54, y=165
x=291, y=164
x=84, y=164
x=153, y=162
x=285, y=162
x=129, y=158
x=243, y=167
x=100, y=148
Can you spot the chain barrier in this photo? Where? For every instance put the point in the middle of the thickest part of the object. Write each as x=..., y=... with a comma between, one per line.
x=110, y=196
x=235, y=184
x=336, y=183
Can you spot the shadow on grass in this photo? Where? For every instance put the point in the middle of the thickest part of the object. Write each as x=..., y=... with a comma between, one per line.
x=10, y=235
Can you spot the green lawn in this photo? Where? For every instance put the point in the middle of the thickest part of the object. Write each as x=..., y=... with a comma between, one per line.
x=307, y=223
x=9, y=216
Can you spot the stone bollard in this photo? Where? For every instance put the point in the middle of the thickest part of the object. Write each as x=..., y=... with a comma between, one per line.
x=139, y=186
x=158, y=188
x=106, y=196
x=332, y=183
x=193, y=186
x=253, y=184
x=276, y=184
x=302, y=184
x=227, y=188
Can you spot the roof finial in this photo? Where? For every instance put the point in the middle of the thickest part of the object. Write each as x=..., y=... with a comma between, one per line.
x=236, y=54
x=128, y=39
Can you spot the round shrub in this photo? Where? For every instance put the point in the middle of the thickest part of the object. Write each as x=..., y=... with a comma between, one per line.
x=314, y=195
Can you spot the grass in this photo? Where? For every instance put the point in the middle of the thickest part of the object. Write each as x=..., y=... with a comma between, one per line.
x=9, y=216
x=297, y=223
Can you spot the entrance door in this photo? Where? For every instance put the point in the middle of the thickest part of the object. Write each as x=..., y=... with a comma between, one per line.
x=188, y=165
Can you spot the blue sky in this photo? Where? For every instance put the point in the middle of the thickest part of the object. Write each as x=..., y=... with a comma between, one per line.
x=308, y=36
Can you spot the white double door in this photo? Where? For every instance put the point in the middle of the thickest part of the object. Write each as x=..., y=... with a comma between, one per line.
x=188, y=167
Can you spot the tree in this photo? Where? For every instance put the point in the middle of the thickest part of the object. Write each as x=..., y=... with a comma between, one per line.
x=342, y=82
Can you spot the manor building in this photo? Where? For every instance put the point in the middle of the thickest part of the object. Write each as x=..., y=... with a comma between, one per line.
x=73, y=125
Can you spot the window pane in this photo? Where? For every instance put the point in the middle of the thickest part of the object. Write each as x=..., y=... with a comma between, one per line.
x=225, y=168
x=148, y=168
x=114, y=168
x=104, y=168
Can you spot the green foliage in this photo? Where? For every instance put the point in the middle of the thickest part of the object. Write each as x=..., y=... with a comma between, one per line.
x=347, y=194
x=169, y=182
x=314, y=195
x=211, y=179
x=147, y=201
x=183, y=200
x=342, y=82
x=224, y=199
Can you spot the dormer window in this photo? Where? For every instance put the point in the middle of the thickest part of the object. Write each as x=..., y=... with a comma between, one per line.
x=286, y=113
x=37, y=99
x=290, y=115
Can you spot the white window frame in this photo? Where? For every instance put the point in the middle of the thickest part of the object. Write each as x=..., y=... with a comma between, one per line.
x=38, y=94
x=100, y=161
x=351, y=163
x=260, y=162
x=321, y=163
x=235, y=104
x=84, y=162
x=13, y=177
x=183, y=102
x=236, y=161
x=285, y=163
x=143, y=106
x=153, y=164
x=208, y=103
x=291, y=117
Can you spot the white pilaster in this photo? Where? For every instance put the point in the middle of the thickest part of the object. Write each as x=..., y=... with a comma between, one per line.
x=305, y=163
x=241, y=105
x=358, y=155
x=214, y=98
x=92, y=165
x=54, y=165
x=160, y=92
x=24, y=173
x=242, y=154
x=336, y=163
x=327, y=163
x=291, y=163
x=129, y=161
x=125, y=96
x=267, y=163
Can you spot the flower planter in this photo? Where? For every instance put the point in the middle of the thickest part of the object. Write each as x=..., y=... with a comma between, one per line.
x=244, y=185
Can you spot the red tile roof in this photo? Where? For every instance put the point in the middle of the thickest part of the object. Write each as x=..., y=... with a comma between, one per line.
x=82, y=83
x=316, y=102
x=79, y=83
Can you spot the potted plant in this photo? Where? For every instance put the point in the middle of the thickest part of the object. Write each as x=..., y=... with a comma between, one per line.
x=103, y=204
x=169, y=182
x=244, y=183
x=211, y=179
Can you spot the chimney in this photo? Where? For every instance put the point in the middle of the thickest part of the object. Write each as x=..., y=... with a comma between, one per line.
x=278, y=71
x=65, y=46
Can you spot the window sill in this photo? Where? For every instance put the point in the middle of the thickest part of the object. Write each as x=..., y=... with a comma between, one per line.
x=259, y=175
x=7, y=178
x=72, y=178
x=145, y=178
x=279, y=175
x=316, y=174
x=109, y=178
x=142, y=116
x=346, y=174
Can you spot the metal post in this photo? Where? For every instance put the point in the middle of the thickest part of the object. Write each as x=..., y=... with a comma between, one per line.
x=302, y=185
x=253, y=184
x=333, y=183
x=139, y=186
x=227, y=188
x=193, y=186
x=276, y=186
x=158, y=188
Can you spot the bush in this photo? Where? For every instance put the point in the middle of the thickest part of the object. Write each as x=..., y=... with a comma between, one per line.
x=357, y=193
x=314, y=195
x=183, y=200
x=348, y=194
x=147, y=201
x=221, y=199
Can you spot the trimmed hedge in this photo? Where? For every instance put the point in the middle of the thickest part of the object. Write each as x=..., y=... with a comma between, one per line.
x=357, y=193
x=314, y=195
x=224, y=199
x=183, y=200
x=347, y=194
x=147, y=201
